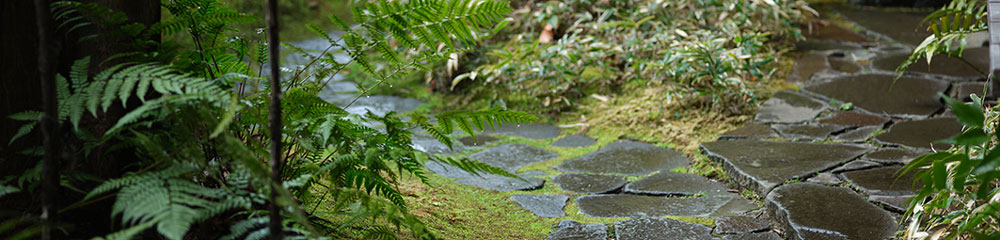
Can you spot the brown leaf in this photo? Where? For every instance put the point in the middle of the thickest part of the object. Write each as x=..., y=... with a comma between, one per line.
x=546, y=35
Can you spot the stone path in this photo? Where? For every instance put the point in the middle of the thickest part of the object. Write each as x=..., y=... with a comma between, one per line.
x=823, y=159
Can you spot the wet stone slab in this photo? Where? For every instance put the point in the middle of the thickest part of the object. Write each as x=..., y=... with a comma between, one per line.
x=428, y=144
x=841, y=63
x=822, y=30
x=893, y=203
x=806, y=66
x=860, y=134
x=446, y=170
x=735, y=206
x=855, y=165
x=572, y=230
x=672, y=183
x=512, y=156
x=898, y=25
x=545, y=206
x=750, y=130
x=893, y=155
x=574, y=141
x=501, y=183
x=812, y=131
x=661, y=228
x=813, y=211
x=824, y=45
x=761, y=165
x=910, y=97
x=477, y=141
x=626, y=157
x=921, y=133
x=589, y=183
x=963, y=90
x=941, y=64
x=789, y=107
x=826, y=179
x=882, y=181
x=854, y=118
x=380, y=105
x=529, y=130
x=754, y=236
x=739, y=224
x=627, y=205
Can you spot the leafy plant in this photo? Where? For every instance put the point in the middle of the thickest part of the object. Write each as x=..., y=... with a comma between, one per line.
x=950, y=25
x=958, y=197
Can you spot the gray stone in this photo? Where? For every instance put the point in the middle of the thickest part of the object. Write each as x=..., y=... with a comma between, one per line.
x=589, y=183
x=380, y=105
x=761, y=165
x=512, y=156
x=825, y=178
x=750, y=130
x=820, y=45
x=893, y=155
x=963, y=90
x=755, y=236
x=841, y=63
x=739, y=224
x=812, y=131
x=528, y=130
x=574, y=141
x=855, y=118
x=855, y=165
x=813, y=211
x=903, y=26
x=807, y=65
x=446, y=170
x=882, y=181
x=860, y=134
x=501, y=183
x=940, y=64
x=894, y=203
x=626, y=157
x=672, y=183
x=821, y=30
x=921, y=133
x=542, y=205
x=789, y=107
x=428, y=144
x=909, y=97
x=572, y=230
x=625, y=205
x=661, y=228
x=736, y=206
x=535, y=173
x=477, y=141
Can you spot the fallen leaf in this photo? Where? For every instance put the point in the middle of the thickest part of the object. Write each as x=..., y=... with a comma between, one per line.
x=546, y=35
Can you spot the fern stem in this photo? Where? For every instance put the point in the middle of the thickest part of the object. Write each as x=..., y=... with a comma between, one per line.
x=275, y=226
x=50, y=130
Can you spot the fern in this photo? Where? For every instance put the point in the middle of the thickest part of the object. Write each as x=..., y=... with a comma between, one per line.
x=950, y=25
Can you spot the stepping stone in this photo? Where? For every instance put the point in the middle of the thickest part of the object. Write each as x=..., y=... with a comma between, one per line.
x=898, y=25
x=882, y=181
x=478, y=141
x=528, y=130
x=826, y=31
x=589, y=183
x=574, y=141
x=921, y=133
x=428, y=144
x=821, y=45
x=963, y=90
x=542, y=205
x=673, y=183
x=445, y=170
x=860, y=134
x=626, y=157
x=840, y=62
x=762, y=165
x=894, y=203
x=661, y=228
x=910, y=97
x=625, y=205
x=380, y=105
x=893, y=155
x=739, y=224
x=512, y=156
x=789, y=107
x=826, y=179
x=535, y=173
x=572, y=230
x=737, y=205
x=813, y=211
x=750, y=130
x=501, y=183
x=854, y=119
x=941, y=64
x=807, y=65
x=855, y=165
x=755, y=236
x=812, y=132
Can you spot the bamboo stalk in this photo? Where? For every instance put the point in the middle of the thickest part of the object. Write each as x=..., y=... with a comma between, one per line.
x=275, y=121
x=50, y=128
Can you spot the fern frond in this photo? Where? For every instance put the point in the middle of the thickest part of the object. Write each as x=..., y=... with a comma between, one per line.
x=474, y=167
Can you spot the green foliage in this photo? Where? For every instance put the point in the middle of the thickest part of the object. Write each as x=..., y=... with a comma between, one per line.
x=562, y=51
x=959, y=186
x=950, y=25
